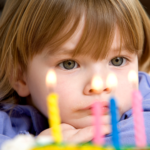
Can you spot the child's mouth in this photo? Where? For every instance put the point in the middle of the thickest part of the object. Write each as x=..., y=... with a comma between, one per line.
x=105, y=107
x=105, y=110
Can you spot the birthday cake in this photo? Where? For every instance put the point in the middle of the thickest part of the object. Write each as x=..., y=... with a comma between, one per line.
x=28, y=142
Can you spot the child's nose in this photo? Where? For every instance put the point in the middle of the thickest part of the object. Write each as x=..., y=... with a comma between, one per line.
x=88, y=90
x=100, y=70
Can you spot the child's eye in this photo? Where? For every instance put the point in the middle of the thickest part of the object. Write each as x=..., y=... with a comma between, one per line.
x=118, y=61
x=68, y=64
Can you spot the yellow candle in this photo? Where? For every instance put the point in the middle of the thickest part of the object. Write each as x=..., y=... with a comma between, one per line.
x=54, y=118
x=53, y=110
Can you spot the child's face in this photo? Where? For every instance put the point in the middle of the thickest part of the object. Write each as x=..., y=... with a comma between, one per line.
x=74, y=78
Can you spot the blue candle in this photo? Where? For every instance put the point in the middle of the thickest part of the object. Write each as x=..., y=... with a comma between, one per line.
x=113, y=111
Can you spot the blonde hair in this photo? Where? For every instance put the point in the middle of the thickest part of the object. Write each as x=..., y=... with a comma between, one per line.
x=27, y=26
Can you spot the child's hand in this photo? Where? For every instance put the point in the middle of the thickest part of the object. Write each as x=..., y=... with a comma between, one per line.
x=72, y=135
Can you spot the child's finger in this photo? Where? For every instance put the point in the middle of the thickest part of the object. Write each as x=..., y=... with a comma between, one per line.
x=66, y=127
x=87, y=134
x=106, y=119
x=81, y=135
x=106, y=129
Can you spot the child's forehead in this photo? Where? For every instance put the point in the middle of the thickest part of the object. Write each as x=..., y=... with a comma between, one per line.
x=115, y=51
x=97, y=45
x=116, y=47
x=89, y=32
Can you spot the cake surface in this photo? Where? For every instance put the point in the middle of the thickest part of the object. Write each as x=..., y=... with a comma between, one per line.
x=29, y=142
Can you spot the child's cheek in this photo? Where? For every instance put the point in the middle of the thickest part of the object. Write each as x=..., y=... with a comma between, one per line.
x=123, y=95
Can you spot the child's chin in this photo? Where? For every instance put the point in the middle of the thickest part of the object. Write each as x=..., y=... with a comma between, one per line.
x=81, y=125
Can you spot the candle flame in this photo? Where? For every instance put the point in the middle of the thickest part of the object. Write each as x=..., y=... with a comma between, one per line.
x=97, y=83
x=132, y=76
x=51, y=78
x=111, y=81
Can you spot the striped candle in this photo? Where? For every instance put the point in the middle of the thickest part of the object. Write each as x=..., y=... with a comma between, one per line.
x=139, y=128
x=97, y=114
x=53, y=109
x=97, y=85
x=54, y=117
x=115, y=135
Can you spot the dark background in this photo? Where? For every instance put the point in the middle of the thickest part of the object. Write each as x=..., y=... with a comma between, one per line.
x=146, y=4
x=2, y=2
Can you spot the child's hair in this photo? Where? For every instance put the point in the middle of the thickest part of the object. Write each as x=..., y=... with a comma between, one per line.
x=27, y=26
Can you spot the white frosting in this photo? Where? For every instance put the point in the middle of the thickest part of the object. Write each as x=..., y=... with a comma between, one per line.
x=20, y=142
x=43, y=140
x=25, y=142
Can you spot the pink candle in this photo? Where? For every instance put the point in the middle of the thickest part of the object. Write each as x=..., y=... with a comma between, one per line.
x=97, y=113
x=140, y=136
x=97, y=85
x=139, y=128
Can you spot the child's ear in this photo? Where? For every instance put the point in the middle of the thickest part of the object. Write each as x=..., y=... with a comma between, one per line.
x=19, y=84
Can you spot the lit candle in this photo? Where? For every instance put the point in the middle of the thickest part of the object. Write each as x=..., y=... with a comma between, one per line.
x=98, y=139
x=111, y=83
x=53, y=110
x=139, y=128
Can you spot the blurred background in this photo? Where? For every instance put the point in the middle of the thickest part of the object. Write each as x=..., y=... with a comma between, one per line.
x=146, y=5
x=2, y=2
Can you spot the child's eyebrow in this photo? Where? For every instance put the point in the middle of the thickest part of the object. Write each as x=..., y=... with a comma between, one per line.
x=59, y=51
x=70, y=52
x=124, y=48
x=64, y=51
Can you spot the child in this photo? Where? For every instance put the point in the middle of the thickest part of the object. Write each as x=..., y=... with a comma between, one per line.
x=77, y=39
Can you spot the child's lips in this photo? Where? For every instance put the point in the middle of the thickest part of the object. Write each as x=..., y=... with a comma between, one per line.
x=105, y=107
x=105, y=110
